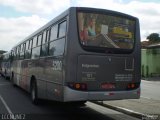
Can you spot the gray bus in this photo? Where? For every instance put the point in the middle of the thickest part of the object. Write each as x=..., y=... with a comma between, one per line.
x=84, y=54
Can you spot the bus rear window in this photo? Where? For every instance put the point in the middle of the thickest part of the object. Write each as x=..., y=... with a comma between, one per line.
x=101, y=30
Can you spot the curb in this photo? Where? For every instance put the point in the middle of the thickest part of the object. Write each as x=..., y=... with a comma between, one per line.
x=122, y=110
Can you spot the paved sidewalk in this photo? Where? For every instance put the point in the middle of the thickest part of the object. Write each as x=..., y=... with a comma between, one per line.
x=137, y=107
x=142, y=105
x=152, y=79
x=142, y=108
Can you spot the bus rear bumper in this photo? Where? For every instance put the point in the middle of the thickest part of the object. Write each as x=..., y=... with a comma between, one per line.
x=74, y=95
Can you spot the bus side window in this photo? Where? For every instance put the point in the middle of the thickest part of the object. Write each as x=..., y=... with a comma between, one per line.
x=30, y=44
x=22, y=50
x=27, y=44
x=18, y=51
x=44, y=49
x=54, y=32
x=44, y=37
x=28, y=49
x=35, y=49
x=39, y=40
x=24, y=47
x=48, y=35
x=15, y=53
x=34, y=42
x=56, y=47
x=62, y=29
x=35, y=52
x=12, y=55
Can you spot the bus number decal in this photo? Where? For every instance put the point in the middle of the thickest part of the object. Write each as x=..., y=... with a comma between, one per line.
x=57, y=65
x=88, y=76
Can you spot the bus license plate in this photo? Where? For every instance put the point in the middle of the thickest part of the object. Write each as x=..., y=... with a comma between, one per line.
x=107, y=86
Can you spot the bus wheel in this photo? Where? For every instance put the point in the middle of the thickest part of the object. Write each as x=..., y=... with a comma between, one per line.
x=34, y=93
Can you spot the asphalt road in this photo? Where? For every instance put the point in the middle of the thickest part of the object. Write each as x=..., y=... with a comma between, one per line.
x=150, y=89
x=15, y=101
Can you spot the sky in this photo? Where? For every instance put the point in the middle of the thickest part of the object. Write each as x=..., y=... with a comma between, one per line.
x=20, y=18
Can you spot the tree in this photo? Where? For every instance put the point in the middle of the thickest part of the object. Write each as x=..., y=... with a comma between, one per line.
x=154, y=37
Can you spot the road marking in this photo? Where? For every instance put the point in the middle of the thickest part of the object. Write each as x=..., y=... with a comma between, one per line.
x=6, y=106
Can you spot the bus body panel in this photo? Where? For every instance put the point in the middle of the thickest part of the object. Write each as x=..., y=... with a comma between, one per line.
x=17, y=68
x=48, y=78
x=74, y=95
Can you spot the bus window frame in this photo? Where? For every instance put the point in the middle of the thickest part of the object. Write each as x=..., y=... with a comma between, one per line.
x=45, y=41
x=56, y=26
x=58, y=38
x=24, y=49
x=18, y=51
x=34, y=41
x=15, y=52
x=48, y=34
x=36, y=46
x=30, y=44
x=59, y=25
x=27, y=45
x=32, y=55
x=30, y=41
x=39, y=42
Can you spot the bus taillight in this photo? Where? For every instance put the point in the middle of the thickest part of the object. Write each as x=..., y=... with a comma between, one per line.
x=131, y=86
x=78, y=86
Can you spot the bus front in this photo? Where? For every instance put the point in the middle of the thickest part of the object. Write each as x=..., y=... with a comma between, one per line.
x=107, y=58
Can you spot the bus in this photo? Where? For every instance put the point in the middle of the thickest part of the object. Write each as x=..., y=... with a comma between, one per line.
x=78, y=57
x=5, y=69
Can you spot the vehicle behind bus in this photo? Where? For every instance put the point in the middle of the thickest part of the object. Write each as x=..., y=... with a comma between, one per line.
x=6, y=65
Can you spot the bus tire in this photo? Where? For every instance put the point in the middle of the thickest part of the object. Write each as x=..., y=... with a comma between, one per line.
x=33, y=93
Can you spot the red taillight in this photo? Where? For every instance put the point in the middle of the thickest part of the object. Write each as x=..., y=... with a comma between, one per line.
x=131, y=85
x=78, y=86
